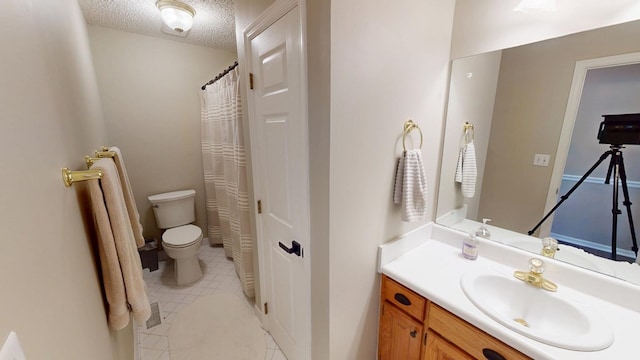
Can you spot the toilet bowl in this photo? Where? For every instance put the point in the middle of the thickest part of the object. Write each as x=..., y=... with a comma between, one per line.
x=174, y=212
x=181, y=244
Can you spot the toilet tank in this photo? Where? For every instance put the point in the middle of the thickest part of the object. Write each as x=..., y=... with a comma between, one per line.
x=174, y=208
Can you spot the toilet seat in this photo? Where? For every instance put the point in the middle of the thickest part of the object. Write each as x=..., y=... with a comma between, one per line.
x=181, y=236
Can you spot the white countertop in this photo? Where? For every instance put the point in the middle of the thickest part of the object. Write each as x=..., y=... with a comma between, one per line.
x=570, y=254
x=429, y=262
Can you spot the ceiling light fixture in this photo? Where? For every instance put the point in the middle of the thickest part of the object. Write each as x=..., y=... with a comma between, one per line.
x=536, y=6
x=176, y=15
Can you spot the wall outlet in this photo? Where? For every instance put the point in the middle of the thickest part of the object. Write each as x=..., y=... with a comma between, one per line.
x=541, y=159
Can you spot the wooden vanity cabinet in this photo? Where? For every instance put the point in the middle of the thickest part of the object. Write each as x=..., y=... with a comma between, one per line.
x=439, y=348
x=401, y=322
x=414, y=328
x=400, y=335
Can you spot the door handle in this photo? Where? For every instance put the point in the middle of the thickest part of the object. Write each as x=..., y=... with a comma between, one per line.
x=295, y=248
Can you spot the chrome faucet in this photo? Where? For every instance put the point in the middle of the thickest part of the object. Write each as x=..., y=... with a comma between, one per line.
x=549, y=247
x=534, y=276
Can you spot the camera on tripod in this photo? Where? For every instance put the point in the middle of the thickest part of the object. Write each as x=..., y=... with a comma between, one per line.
x=623, y=129
x=615, y=130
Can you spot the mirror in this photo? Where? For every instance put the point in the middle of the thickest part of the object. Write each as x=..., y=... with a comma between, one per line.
x=518, y=101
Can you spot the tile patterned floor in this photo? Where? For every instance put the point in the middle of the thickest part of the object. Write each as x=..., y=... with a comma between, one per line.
x=219, y=277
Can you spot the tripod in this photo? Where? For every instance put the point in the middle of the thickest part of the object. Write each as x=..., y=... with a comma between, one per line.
x=616, y=166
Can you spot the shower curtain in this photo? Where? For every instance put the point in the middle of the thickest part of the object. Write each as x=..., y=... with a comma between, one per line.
x=225, y=175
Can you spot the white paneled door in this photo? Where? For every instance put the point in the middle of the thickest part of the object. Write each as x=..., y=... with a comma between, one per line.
x=280, y=163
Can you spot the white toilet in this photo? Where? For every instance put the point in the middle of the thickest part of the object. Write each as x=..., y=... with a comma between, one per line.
x=175, y=211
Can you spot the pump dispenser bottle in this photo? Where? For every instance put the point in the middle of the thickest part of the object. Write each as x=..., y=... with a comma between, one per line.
x=470, y=247
x=483, y=232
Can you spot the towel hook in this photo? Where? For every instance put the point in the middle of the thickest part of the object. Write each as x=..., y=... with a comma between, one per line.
x=409, y=126
x=105, y=154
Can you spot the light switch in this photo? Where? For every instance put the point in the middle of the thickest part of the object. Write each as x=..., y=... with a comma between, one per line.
x=11, y=350
x=541, y=159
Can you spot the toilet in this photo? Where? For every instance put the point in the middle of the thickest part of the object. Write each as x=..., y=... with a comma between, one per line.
x=174, y=212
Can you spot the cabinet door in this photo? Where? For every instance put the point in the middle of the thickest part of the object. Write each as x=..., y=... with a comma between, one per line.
x=439, y=349
x=400, y=335
x=468, y=338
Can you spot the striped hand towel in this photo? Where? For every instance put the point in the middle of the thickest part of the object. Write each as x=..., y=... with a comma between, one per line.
x=397, y=189
x=411, y=186
x=458, y=175
x=466, y=172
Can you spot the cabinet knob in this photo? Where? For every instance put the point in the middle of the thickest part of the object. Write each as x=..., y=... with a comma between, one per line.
x=414, y=333
x=492, y=355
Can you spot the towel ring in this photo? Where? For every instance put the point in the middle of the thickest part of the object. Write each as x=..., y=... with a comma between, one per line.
x=469, y=132
x=409, y=126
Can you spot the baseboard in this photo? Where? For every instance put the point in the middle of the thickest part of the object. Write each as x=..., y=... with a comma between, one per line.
x=592, y=245
x=137, y=354
x=598, y=180
x=260, y=315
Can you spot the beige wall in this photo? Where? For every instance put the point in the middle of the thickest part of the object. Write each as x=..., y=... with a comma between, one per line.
x=51, y=118
x=149, y=89
x=319, y=102
x=318, y=61
x=370, y=69
x=531, y=101
x=489, y=25
x=389, y=63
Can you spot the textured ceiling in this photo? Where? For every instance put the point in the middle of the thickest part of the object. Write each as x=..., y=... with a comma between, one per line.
x=213, y=25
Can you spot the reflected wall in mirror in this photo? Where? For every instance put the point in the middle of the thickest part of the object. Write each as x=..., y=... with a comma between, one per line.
x=517, y=100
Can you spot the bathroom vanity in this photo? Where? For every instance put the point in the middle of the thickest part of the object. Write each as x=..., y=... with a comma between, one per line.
x=435, y=304
x=412, y=327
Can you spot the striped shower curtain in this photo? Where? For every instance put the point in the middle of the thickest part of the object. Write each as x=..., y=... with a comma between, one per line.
x=225, y=175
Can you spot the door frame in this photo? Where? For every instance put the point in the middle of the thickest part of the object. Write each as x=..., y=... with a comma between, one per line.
x=271, y=15
x=573, y=103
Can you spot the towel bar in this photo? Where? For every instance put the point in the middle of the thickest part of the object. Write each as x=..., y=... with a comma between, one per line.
x=90, y=160
x=409, y=126
x=69, y=177
x=105, y=154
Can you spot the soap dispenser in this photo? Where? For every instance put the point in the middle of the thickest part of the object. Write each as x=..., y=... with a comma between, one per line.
x=483, y=232
x=470, y=247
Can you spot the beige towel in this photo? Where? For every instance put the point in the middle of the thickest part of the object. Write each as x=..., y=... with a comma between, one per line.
x=121, y=267
x=132, y=209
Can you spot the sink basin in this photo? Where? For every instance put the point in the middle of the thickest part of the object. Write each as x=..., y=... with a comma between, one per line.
x=535, y=313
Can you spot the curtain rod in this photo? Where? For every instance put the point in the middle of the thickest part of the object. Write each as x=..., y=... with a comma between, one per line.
x=233, y=66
